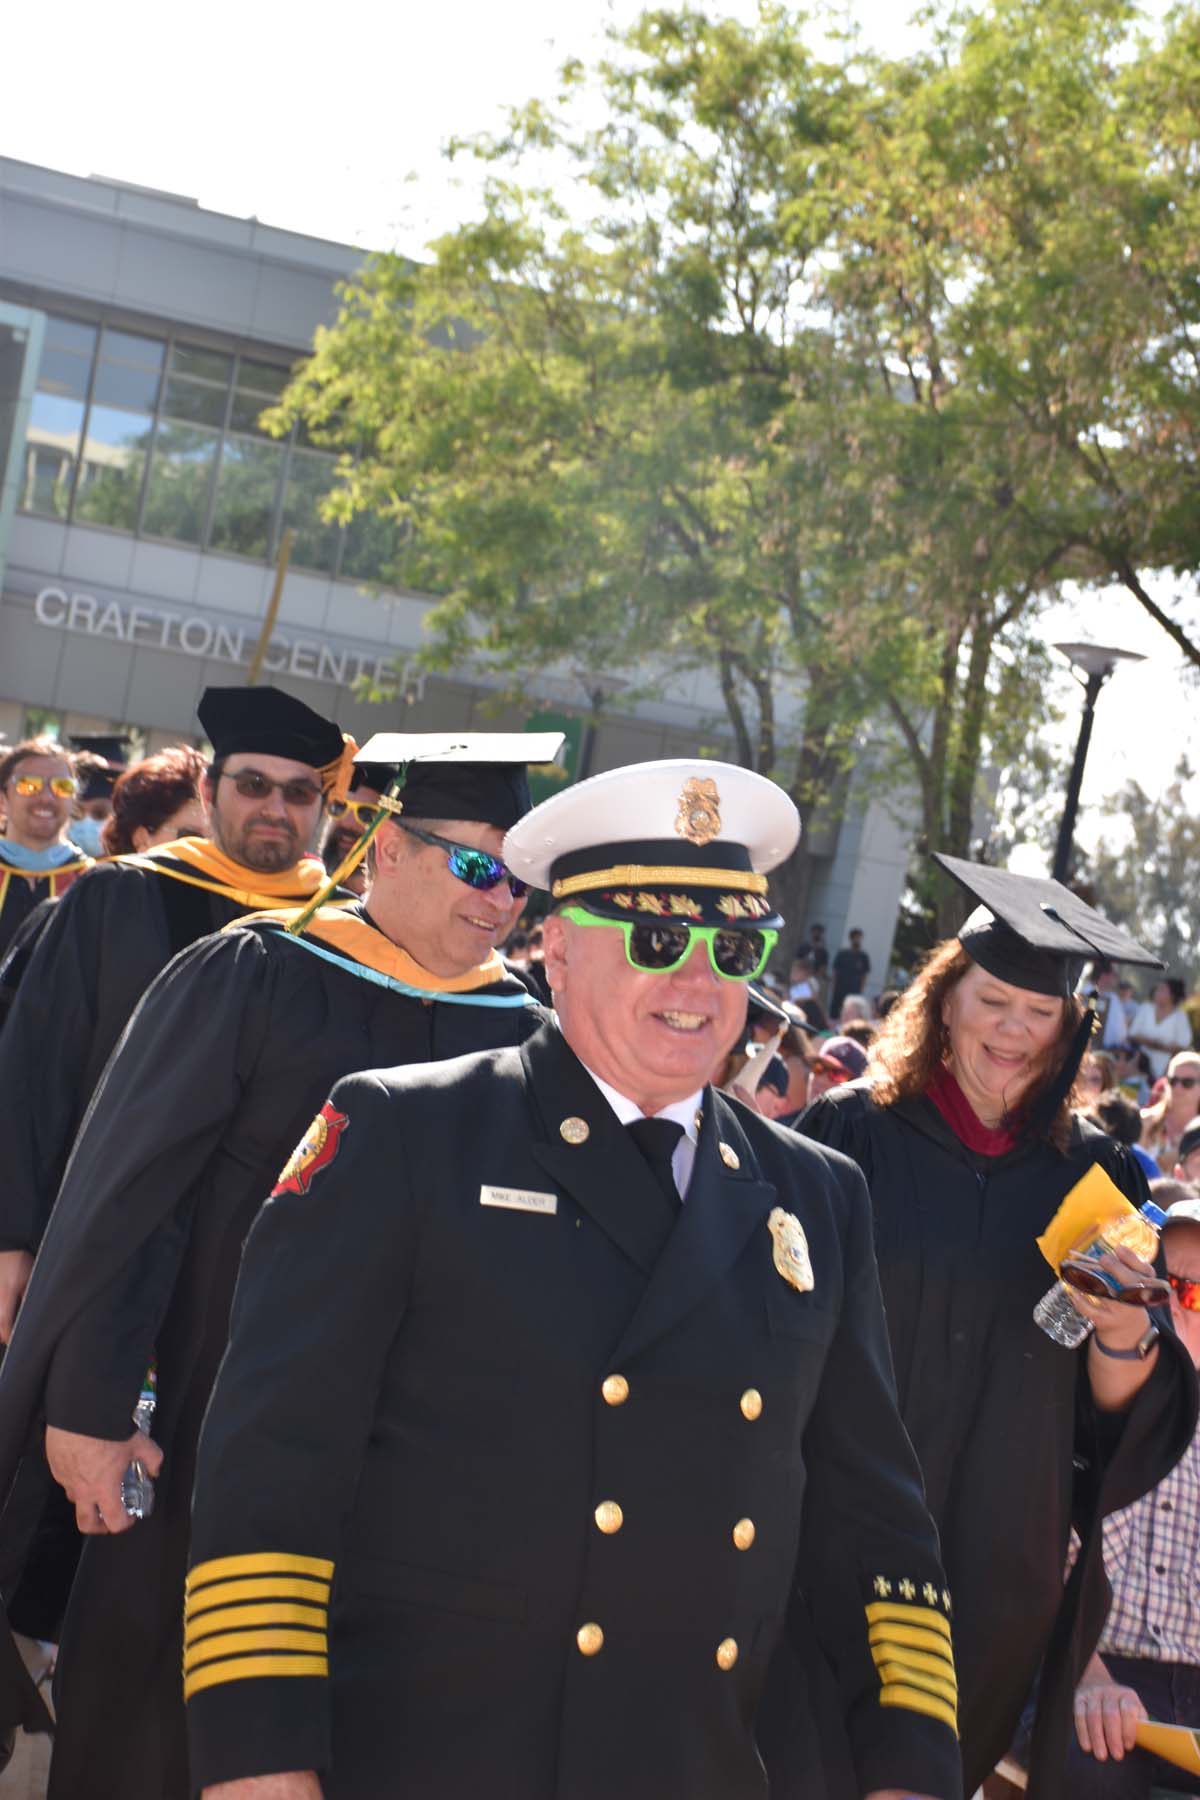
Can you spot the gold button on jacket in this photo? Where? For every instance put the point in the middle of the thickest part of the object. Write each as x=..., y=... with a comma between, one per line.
x=615, y=1390
x=743, y=1533
x=727, y=1653
x=751, y=1403
x=590, y=1639
x=609, y=1517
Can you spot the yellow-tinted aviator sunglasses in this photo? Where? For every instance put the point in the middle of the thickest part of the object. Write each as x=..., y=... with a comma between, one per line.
x=29, y=785
x=656, y=946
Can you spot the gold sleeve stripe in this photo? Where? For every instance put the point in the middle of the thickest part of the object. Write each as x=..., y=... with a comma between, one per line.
x=230, y=1618
x=909, y=1634
x=241, y=1643
x=915, y=1701
x=901, y=1675
x=230, y=1593
x=249, y=1668
x=941, y=1666
x=879, y=1613
x=261, y=1562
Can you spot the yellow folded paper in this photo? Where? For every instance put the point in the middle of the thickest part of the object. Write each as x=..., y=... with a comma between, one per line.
x=1090, y=1205
x=1177, y=1744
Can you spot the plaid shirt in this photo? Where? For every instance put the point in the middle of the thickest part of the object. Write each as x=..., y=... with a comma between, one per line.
x=1152, y=1555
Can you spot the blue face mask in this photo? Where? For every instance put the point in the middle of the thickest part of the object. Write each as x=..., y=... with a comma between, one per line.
x=85, y=835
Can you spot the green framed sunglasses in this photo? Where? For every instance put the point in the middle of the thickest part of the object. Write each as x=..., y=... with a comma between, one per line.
x=656, y=946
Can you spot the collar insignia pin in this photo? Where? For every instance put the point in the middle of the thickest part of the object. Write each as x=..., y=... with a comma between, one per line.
x=699, y=816
x=791, y=1250
x=574, y=1131
x=729, y=1156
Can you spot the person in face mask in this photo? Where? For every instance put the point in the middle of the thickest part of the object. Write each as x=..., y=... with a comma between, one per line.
x=98, y=766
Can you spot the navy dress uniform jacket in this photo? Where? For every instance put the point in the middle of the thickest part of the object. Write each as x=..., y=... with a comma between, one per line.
x=507, y=1498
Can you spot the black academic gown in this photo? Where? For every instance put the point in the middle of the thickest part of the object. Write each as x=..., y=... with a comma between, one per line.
x=106, y=940
x=229, y=1057
x=554, y=1444
x=1011, y=1446
x=21, y=892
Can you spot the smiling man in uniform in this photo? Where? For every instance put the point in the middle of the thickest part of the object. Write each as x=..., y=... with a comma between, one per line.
x=562, y=1392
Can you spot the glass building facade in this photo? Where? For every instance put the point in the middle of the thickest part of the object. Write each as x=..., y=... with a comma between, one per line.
x=163, y=438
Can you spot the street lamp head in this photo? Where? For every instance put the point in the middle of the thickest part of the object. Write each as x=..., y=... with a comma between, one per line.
x=1097, y=659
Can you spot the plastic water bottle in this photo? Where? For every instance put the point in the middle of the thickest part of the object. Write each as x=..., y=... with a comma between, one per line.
x=137, y=1488
x=1057, y=1313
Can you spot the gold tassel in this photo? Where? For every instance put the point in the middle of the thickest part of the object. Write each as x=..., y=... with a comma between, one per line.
x=388, y=804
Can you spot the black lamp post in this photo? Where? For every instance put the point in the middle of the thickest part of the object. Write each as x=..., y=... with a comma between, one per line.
x=1096, y=663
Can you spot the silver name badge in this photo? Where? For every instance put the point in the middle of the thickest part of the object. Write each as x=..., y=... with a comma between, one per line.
x=518, y=1199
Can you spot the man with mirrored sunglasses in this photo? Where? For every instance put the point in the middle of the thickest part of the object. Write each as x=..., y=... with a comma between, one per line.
x=226, y=1061
x=593, y=1414
x=37, y=859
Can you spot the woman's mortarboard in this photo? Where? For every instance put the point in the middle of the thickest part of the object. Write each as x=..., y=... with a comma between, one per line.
x=1035, y=933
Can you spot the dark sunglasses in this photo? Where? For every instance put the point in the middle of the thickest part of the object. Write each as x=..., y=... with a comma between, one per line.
x=835, y=1071
x=657, y=948
x=1187, y=1291
x=1087, y=1277
x=1184, y=1081
x=478, y=868
x=251, y=784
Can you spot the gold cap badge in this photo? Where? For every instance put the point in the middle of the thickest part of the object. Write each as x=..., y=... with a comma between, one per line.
x=791, y=1250
x=699, y=816
x=575, y=1131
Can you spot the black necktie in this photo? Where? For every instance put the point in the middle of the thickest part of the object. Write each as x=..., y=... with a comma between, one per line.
x=656, y=1140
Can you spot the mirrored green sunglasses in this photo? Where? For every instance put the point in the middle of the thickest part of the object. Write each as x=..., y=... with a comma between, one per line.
x=656, y=946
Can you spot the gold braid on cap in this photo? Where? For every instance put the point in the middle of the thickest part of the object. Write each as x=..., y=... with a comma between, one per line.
x=652, y=875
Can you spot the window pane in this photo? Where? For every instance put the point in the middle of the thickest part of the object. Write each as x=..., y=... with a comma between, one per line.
x=194, y=402
x=246, y=490
x=259, y=385
x=129, y=370
x=118, y=384
x=66, y=334
x=309, y=479
x=247, y=409
x=372, y=547
x=62, y=372
x=180, y=480
x=264, y=378
x=122, y=346
x=209, y=365
x=51, y=446
x=110, y=475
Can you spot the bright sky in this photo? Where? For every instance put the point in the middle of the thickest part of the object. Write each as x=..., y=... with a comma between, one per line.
x=331, y=120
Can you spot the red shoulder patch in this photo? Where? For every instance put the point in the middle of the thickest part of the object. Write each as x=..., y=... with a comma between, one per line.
x=315, y=1151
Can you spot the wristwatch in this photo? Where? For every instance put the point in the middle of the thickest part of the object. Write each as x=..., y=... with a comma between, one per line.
x=1140, y=1351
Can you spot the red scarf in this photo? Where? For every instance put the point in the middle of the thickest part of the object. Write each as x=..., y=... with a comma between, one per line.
x=968, y=1128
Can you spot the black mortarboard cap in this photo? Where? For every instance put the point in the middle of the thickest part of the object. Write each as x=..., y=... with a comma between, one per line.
x=114, y=750
x=268, y=722
x=480, y=776
x=1035, y=933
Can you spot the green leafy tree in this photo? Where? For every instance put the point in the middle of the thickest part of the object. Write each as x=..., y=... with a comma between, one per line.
x=757, y=400
x=1148, y=877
